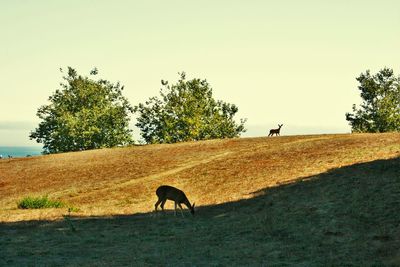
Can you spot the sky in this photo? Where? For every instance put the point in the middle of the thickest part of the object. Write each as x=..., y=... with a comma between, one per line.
x=288, y=62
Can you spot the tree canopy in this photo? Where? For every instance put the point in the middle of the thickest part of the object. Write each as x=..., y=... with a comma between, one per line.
x=84, y=114
x=186, y=111
x=380, y=109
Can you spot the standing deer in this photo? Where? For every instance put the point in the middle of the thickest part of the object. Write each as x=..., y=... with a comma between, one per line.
x=275, y=131
x=165, y=192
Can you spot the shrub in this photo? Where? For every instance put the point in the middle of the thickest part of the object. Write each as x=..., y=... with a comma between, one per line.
x=39, y=203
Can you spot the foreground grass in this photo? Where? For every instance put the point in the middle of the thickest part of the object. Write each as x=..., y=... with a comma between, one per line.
x=347, y=216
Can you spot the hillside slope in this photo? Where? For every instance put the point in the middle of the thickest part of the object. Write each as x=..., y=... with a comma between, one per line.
x=327, y=200
x=123, y=180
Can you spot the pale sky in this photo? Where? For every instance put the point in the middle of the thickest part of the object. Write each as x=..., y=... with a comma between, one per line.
x=291, y=62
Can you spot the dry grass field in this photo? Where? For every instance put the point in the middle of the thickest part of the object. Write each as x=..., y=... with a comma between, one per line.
x=318, y=200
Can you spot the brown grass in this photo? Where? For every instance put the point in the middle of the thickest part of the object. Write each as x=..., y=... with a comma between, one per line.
x=123, y=180
x=319, y=200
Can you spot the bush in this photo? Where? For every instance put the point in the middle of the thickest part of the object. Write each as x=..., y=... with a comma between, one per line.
x=39, y=203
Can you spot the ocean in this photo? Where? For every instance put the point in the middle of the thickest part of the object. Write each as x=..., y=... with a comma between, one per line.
x=19, y=151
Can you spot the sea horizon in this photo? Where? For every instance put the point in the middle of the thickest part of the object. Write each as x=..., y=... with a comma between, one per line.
x=20, y=151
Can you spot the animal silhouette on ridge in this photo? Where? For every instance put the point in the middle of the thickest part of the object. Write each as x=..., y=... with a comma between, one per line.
x=166, y=192
x=275, y=131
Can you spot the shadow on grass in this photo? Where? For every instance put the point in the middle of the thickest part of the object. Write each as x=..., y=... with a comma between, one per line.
x=346, y=216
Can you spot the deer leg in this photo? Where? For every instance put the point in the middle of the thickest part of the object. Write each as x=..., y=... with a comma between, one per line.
x=162, y=204
x=175, y=209
x=157, y=203
x=180, y=206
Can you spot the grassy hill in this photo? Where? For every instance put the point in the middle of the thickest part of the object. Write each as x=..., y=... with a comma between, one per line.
x=321, y=200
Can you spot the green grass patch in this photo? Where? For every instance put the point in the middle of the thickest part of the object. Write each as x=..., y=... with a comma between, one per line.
x=39, y=203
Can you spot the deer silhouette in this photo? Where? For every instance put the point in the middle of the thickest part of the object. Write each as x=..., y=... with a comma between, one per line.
x=275, y=131
x=166, y=192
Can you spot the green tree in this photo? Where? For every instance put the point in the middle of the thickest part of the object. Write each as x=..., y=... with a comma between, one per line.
x=380, y=109
x=186, y=111
x=84, y=114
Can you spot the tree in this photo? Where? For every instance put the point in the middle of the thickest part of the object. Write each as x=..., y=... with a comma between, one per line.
x=380, y=109
x=186, y=111
x=84, y=114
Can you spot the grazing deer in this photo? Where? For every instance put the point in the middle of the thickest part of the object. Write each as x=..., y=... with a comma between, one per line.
x=275, y=131
x=165, y=192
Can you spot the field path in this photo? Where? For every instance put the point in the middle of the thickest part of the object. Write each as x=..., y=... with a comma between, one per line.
x=157, y=176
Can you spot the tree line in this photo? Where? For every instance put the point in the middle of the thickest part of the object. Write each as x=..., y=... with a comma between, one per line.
x=88, y=113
